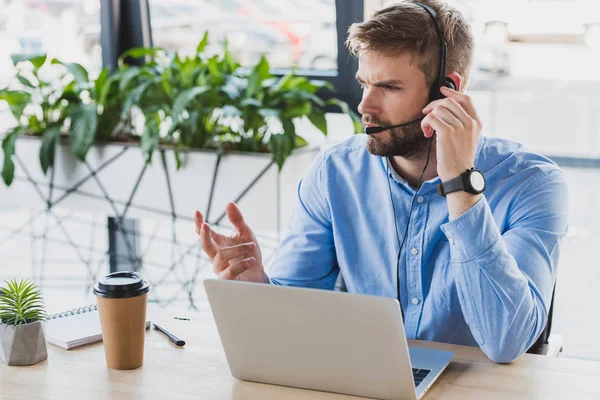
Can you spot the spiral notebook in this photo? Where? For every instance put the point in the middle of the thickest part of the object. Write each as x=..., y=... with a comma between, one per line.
x=75, y=328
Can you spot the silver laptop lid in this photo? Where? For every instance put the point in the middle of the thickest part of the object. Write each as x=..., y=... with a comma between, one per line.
x=314, y=339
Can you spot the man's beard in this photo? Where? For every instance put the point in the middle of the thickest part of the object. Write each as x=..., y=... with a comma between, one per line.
x=407, y=141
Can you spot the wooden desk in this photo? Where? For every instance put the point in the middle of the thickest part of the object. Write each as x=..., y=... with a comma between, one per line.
x=200, y=371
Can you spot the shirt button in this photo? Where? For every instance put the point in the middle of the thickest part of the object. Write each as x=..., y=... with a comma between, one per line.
x=420, y=199
x=415, y=301
x=414, y=251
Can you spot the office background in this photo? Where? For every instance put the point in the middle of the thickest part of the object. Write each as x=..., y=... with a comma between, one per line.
x=535, y=81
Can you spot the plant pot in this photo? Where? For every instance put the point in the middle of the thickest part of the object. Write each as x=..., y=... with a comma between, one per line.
x=24, y=344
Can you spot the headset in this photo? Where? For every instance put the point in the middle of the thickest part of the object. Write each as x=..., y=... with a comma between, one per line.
x=434, y=94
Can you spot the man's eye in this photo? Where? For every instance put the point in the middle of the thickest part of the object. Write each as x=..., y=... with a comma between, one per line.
x=388, y=87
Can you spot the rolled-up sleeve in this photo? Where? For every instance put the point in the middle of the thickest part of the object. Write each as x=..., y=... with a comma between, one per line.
x=505, y=280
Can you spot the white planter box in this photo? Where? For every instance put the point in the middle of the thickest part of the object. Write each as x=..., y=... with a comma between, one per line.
x=190, y=186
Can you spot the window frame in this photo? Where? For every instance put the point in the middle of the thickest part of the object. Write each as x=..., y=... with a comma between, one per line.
x=126, y=24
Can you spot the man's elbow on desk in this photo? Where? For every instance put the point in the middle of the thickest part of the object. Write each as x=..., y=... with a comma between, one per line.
x=503, y=356
x=505, y=350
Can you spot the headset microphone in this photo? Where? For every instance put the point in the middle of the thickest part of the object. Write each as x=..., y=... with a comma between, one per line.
x=376, y=129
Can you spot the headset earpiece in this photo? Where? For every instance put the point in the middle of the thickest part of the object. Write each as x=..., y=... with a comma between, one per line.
x=448, y=82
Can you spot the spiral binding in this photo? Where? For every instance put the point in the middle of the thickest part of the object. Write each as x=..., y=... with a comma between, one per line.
x=75, y=311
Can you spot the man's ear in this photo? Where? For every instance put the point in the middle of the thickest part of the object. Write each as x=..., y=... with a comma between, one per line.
x=457, y=79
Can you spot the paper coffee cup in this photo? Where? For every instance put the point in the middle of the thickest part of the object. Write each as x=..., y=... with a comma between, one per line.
x=122, y=299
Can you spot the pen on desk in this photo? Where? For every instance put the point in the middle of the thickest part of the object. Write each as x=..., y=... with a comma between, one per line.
x=171, y=337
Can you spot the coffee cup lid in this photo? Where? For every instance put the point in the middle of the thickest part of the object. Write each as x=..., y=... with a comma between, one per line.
x=120, y=285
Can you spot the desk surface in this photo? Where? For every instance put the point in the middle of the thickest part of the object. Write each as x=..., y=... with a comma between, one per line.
x=200, y=371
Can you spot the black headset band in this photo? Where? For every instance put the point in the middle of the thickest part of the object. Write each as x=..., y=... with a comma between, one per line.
x=435, y=90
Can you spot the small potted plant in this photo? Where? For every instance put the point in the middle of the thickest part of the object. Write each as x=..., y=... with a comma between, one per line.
x=22, y=333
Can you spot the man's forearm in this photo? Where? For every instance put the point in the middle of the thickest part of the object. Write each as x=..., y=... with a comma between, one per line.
x=504, y=281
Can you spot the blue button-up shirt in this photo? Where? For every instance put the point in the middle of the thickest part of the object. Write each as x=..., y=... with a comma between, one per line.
x=484, y=279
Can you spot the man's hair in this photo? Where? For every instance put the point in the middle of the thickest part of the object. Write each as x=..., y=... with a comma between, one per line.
x=406, y=27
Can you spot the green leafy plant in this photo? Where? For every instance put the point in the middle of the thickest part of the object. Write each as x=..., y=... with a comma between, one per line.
x=48, y=98
x=202, y=101
x=210, y=101
x=21, y=303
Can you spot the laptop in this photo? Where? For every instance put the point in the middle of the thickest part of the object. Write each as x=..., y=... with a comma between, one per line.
x=321, y=340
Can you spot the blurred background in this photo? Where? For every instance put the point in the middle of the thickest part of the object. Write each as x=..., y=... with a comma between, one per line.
x=535, y=80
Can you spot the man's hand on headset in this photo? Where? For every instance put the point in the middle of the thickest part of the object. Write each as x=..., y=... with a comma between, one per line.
x=458, y=128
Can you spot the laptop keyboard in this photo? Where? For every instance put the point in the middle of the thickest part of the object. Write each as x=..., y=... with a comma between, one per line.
x=419, y=375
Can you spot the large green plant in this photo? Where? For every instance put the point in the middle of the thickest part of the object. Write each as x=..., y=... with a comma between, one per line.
x=48, y=98
x=210, y=101
x=200, y=101
x=21, y=303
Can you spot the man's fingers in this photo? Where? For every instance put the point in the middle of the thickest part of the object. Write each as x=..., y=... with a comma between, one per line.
x=227, y=254
x=233, y=271
x=237, y=219
x=432, y=123
x=452, y=106
x=447, y=116
x=207, y=242
x=198, y=221
x=463, y=99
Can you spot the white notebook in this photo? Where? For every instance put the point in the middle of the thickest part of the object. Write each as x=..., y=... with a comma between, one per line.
x=75, y=328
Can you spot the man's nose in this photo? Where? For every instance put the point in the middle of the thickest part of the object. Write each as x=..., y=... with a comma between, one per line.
x=368, y=103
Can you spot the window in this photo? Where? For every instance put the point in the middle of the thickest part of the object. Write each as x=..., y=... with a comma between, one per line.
x=68, y=30
x=290, y=33
x=534, y=74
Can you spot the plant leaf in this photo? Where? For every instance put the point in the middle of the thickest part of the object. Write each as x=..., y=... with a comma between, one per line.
x=281, y=146
x=282, y=82
x=184, y=98
x=127, y=75
x=269, y=112
x=231, y=111
x=166, y=78
x=138, y=52
x=319, y=121
x=79, y=73
x=251, y=102
x=8, y=145
x=202, y=45
x=21, y=302
x=17, y=101
x=100, y=82
x=300, y=141
x=259, y=73
x=177, y=159
x=82, y=133
x=25, y=81
x=299, y=110
x=36, y=59
x=314, y=85
x=150, y=137
x=48, y=148
x=134, y=97
x=106, y=87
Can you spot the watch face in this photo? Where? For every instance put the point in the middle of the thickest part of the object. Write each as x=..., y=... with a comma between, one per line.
x=477, y=181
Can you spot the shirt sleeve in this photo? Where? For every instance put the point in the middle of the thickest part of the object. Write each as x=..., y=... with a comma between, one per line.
x=505, y=281
x=306, y=255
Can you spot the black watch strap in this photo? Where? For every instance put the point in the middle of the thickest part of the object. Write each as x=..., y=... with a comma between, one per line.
x=453, y=185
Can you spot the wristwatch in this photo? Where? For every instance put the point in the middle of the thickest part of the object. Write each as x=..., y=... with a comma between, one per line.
x=471, y=181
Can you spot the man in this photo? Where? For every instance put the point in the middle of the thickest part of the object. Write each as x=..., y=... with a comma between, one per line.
x=475, y=268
